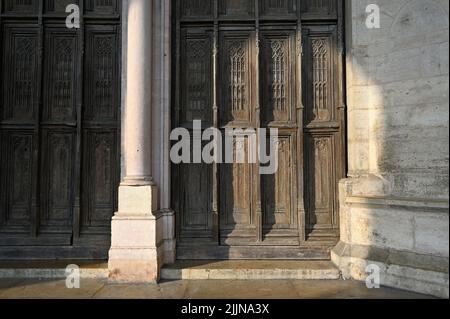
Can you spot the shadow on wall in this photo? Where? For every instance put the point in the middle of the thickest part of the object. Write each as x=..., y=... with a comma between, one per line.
x=396, y=197
x=398, y=98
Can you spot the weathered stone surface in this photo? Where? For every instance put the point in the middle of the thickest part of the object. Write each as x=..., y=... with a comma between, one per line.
x=397, y=269
x=137, y=200
x=431, y=234
x=229, y=289
x=136, y=252
x=396, y=197
x=251, y=270
x=50, y=289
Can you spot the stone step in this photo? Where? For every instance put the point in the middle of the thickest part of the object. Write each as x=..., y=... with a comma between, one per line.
x=250, y=270
x=51, y=269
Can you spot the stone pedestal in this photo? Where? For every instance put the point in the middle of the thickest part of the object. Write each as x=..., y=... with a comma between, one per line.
x=136, y=245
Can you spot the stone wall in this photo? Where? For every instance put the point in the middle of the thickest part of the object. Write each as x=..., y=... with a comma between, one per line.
x=394, y=205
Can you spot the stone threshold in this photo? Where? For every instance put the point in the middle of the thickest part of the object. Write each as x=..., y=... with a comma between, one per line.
x=52, y=269
x=184, y=270
x=250, y=270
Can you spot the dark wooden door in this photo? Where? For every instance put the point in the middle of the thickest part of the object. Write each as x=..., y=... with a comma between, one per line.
x=261, y=64
x=59, y=132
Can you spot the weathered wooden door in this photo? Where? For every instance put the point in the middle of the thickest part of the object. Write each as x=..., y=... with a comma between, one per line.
x=59, y=132
x=260, y=64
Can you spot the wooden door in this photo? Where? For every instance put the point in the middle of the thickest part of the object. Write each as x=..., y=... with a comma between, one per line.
x=260, y=64
x=59, y=128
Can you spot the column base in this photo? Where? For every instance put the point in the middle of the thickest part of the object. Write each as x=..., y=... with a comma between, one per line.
x=137, y=250
x=138, y=265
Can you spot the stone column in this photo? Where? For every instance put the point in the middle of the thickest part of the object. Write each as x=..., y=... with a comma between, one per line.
x=135, y=252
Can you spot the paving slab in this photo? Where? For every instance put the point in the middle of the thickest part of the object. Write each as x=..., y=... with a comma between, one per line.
x=347, y=289
x=129, y=291
x=200, y=289
x=242, y=289
x=50, y=289
x=52, y=269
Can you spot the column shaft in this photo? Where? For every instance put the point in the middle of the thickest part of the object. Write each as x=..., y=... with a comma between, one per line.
x=137, y=133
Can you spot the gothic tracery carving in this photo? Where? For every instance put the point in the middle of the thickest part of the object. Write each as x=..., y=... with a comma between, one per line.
x=238, y=74
x=63, y=72
x=104, y=76
x=278, y=85
x=23, y=74
x=320, y=78
x=197, y=75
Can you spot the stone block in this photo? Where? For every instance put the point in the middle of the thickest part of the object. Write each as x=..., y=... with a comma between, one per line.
x=136, y=231
x=432, y=233
x=383, y=228
x=137, y=199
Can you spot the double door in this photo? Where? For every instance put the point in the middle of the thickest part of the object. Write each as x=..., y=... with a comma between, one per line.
x=59, y=129
x=240, y=69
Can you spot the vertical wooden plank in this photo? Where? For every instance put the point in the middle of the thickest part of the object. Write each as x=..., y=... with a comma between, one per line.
x=3, y=146
x=215, y=177
x=79, y=106
x=2, y=187
x=257, y=183
x=1, y=51
x=3, y=182
x=37, y=109
x=300, y=134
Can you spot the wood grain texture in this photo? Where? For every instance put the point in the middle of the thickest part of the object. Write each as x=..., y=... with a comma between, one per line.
x=59, y=128
x=278, y=66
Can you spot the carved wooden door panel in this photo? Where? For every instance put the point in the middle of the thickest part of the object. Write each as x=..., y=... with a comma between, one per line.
x=194, y=84
x=59, y=132
x=248, y=64
x=281, y=193
x=238, y=216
